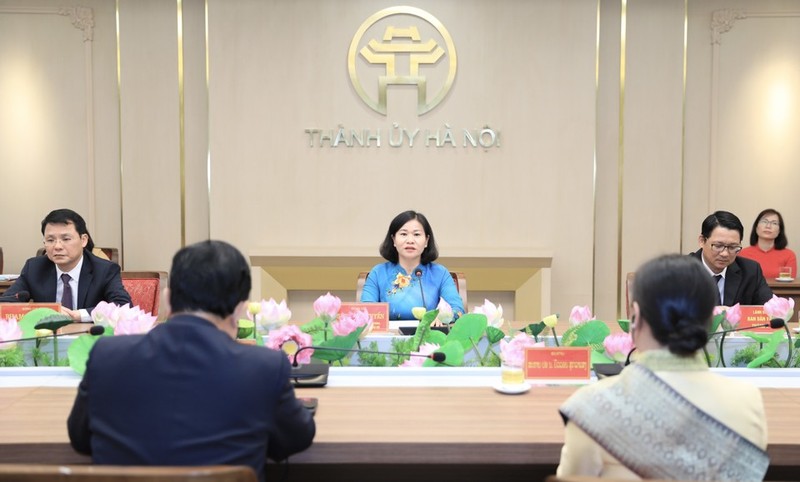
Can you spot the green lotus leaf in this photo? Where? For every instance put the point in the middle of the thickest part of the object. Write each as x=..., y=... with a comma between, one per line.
x=341, y=342
x=494, y=335
x=468, y=329
x=32, y=318
x=78, y=352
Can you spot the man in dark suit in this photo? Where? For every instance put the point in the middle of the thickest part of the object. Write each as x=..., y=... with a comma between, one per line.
x=69, y=273
x=739, y=280
x=187, y=393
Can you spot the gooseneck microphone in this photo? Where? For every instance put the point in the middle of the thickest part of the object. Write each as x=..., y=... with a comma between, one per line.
x=436, y=356
x=418, y=274
x=18, y=297
x=94, y=330
x=773, y=323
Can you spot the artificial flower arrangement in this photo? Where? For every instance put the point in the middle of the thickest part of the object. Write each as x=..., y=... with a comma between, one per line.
x=329, y=329
x=119, y=320
x=765, y=351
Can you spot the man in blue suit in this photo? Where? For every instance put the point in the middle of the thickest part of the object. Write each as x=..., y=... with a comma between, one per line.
x=69, y=273
x=187, y=393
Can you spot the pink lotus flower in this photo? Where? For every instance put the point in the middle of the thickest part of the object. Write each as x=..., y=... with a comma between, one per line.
x=270, y=314
x=445, y=311
x=350, y=322
x=291, y=336
x=417, y=361
x=733, y=314
x=618, y=346
x=779, y=308
x=327, y=307
x=125, y=320
x=494, y=314
x=512, y=353
x=9, y=330
x=580, y=314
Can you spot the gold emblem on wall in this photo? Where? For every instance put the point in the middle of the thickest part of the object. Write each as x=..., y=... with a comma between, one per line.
x=402, y=46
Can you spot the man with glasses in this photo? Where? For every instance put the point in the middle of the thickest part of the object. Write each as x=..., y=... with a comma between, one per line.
x=739, y=280
x=69, y=273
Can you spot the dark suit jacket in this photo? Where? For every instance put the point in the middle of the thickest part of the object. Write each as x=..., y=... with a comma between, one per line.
x=187, y=394
x=744, y=282
x=100, y=281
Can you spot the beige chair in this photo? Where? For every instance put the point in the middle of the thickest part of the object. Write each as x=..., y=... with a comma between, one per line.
x=101, y=473
x=458, y=278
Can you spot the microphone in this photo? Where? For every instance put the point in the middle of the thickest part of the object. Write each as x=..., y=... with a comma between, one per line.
x=18, y=297
x=773, y=323
x=316, y=374
x=94, y=330
x=418, y=274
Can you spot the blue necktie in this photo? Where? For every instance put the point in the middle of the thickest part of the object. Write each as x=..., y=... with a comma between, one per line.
x=718, y=277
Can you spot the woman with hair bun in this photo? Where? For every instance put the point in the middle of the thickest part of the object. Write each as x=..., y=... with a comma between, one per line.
x=667, y=416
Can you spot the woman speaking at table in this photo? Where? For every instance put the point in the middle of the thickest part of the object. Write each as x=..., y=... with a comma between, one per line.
x=409, y=278
x=666, y=416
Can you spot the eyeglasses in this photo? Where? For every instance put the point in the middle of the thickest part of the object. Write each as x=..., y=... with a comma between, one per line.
x=49, y=242
x=767, y=222
x=732, y=248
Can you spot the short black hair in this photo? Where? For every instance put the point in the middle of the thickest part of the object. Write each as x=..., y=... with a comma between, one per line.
x=676, y=298
x=781, y=241
x=210, y=276
x=68, y=216
x=721, y=218
x=389, y=252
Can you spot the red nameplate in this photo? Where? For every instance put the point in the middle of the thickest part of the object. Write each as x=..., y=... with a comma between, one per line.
x=378, y=311
x=18, y=310
x=572, y=362
x=754, y=315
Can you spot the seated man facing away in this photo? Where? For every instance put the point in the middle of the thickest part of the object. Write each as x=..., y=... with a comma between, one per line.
x=187, y=393
x=69, y=273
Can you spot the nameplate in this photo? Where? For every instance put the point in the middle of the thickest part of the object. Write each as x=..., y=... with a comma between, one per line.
x=754, y=315
x=573, y=363
x=379, y=312
x=18, y=310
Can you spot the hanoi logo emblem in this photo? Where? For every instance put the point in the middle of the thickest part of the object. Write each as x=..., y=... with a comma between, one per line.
x=402, y=46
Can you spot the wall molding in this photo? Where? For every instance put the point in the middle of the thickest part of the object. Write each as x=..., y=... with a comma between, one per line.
x=82, y=18
x=722, y=21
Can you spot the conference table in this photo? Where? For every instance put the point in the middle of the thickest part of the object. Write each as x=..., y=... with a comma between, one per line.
x=395, y=424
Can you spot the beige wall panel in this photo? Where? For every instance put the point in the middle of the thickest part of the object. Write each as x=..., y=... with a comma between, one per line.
x=653, y=124
x=607, y=183
x=742, y=104
x=525, y=69
x=45, y=125
x=149, y=126
x=758, y=119
x=196, y=120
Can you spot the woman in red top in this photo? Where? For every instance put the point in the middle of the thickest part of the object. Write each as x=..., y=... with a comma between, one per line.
x=768, y=245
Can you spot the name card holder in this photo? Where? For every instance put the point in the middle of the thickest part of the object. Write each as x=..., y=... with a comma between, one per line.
x=754, y=315
x=18, y=310
x=558, y=363
x=379, y=312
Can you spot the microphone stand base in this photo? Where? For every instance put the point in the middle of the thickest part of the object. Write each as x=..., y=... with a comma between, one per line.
x=311, y=375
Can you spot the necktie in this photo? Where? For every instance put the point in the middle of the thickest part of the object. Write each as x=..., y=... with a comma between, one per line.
x=66, y=297
x=718, y=277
